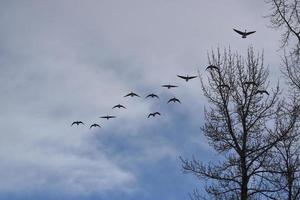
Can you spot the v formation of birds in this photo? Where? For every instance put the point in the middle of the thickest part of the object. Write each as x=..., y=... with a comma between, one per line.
x=170, y=86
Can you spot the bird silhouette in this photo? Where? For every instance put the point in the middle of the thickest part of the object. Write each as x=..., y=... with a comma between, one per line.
x=95, y=125
x=108, y=117
x=187, y=77
x=174, y=100
x=119, y=106
x=77, y=123
x=169, y=86
x=250, y=83
x=224, y=85
x=244, y=34
x=211, y=67
x=153, y=114
x=131, y=94
x=152, y=96
x=262, y=92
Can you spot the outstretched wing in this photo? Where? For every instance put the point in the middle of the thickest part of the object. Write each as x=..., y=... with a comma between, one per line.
x=251, y=32
x=156, y=113
x=192, y=77
x=151, y=114
x=73, y=123
x=134, y=94
x=127, y=95
x=183, y=77
x=239, y=32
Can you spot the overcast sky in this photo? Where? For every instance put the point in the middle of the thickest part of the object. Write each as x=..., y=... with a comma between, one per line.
x=67, y=60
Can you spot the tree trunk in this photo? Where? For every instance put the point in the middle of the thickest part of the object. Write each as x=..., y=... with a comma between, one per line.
x=244, y=186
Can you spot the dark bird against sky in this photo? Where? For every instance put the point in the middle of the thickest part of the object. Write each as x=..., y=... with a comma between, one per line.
x=77, y=123
x=152, y=96
x=174, y=100
x=95, y=125
x=211, y=67
x=262, y=92
x=187, y=77
x=169, y=86
x=119, y=106
x=131, y=94
x=108, y=117
x=153, y=114
x=244, y=34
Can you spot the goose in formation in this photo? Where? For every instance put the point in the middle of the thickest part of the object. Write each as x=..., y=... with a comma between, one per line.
x=131, y=94
x=77, y=123
x=153, y=114
x=108, y=117
x=119, y=106
x=174, y=100
x=95, y=125
x=152, y=96
x=187, y=77
x=211, y=67
x=262, y=92
x=169, y=86
x=244, y=34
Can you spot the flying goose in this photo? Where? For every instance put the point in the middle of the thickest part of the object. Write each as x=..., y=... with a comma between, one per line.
x=95, y=125
x=262, y=92
x=153, y=114
x=244, y=34
x=211, y=67
x=77, y=123
x=131, y=94
x=119, y=106
x=108, y=117
x=174, y=100
x=187, y=77
x=152, y=96
x=169, y=86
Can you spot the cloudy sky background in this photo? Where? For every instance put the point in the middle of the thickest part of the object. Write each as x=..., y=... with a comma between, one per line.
x=69, y=60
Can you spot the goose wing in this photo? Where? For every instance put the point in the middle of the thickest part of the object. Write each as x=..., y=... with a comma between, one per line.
x=74, y=123
x=129, y=94
x=156, y=113
x=183, y=77
x=134, y=94
x=151, y=114
x=239, y=32
x=192, y=77
x=251, y=32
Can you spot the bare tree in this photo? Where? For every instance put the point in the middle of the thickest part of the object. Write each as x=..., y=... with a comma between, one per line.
x=285, y=15
x=286, y=164
x=239, y=126
x=282, y=171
